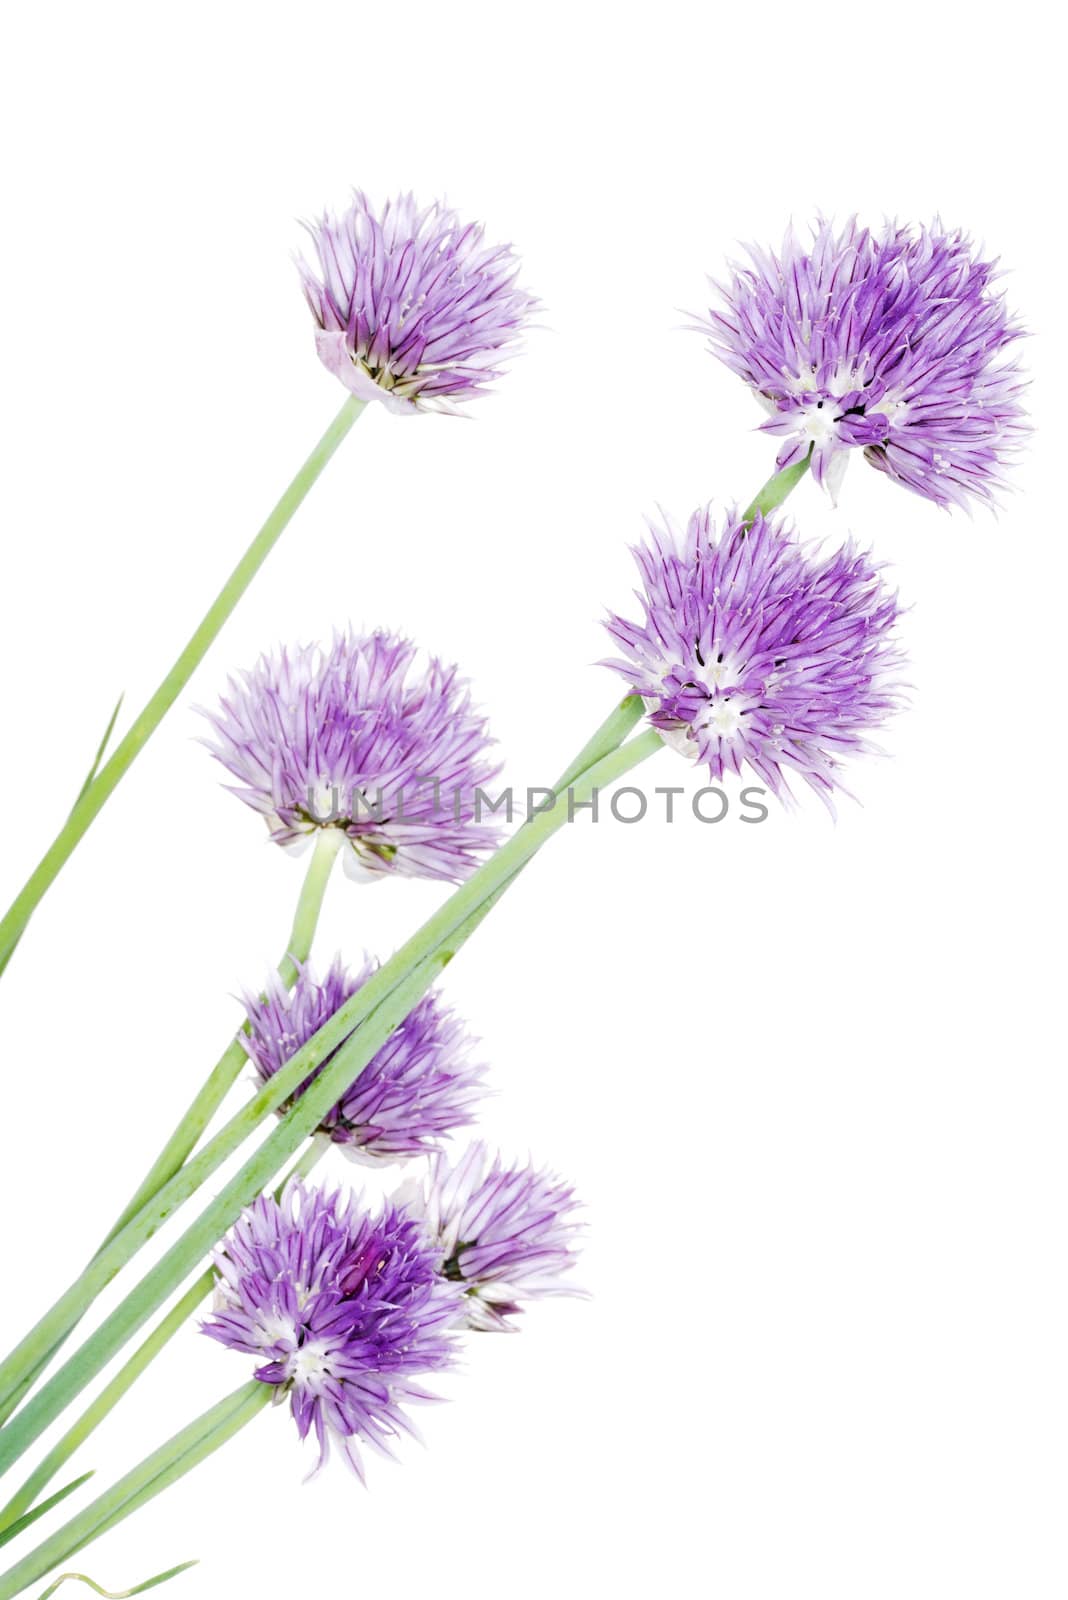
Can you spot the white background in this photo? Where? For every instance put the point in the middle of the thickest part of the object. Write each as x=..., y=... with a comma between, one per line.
x=807, y=1076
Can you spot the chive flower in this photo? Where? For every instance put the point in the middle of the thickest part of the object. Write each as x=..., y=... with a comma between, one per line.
x=504, y=1235
x=358, y=736
x=897, y=342
x=413, y=308
x=342, y=1308
x=756, y=650
x=418, y=1088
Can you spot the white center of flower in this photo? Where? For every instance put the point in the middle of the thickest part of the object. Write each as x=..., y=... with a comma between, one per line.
x=818, y=422
x=721, y=716
x=724, y=717
x=309, y=1364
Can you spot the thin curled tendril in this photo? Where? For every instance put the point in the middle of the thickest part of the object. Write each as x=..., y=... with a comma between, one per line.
x=116, y=1594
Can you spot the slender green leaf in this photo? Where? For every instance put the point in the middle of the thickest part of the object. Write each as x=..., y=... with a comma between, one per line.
x=90, y=775
x=15, y=1528
x=101, y=747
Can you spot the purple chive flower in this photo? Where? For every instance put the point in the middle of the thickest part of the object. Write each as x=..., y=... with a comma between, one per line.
x=343, y=1309
x=506, y=1234
x=896, y=342
x=413, y=308
x=420, y=1086
x=755, y=649
x=356, y=737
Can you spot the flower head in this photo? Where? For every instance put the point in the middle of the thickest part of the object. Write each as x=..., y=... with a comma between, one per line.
x=357, y=737
x=413, y=308
x=895, y=342
x=505, y=1234
x=342, y=1307
x=755, y=649
x=420, y=1085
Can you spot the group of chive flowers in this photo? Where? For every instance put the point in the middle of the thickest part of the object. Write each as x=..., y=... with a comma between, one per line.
x=345, y=1305
x=751, y=652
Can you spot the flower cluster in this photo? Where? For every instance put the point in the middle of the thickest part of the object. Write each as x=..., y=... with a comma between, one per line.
x=896, y=342
x=420, y=1085
x=412, y=307
x=357, y=737
x=343, y=1307
x=753, y=649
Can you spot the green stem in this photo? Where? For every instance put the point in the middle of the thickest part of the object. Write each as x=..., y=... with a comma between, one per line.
x=155, y=1473
x=360, y=1028
x=20, y=1524
x=609, y=736
x=775, y=491
x=109, y=1397
x=178, y=1468
x=134, y=741
x=228, y=1068
x=328, y=842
